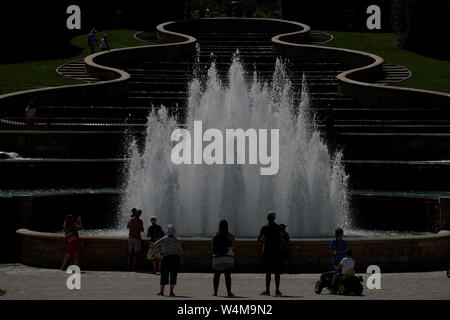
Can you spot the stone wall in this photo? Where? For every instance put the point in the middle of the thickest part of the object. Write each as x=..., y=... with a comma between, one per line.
x=110, y=144
x=46, y=212
x=364, y=66
x=65, y=144
x=416, y=253
x=61, y=173
x=234, y=25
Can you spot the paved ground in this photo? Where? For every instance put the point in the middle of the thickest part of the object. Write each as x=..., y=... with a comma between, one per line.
x=22, y=282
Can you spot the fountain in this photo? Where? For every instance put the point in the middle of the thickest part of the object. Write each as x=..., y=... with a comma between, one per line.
x=309, y=192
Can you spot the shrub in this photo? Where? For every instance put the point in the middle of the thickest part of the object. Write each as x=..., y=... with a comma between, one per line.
x=421, y=26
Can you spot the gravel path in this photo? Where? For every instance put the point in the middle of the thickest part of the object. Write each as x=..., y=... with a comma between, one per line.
x=23, y=282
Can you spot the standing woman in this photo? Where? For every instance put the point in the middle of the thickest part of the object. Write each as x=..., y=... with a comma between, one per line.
x=170, y=248
x=223, y=256
x=71, y=228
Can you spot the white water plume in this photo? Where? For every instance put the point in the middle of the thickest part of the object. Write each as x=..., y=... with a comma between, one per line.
x=309, y=193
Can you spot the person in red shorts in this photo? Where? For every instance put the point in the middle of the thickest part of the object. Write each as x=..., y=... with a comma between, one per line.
x=135, y=227
x=71, y=228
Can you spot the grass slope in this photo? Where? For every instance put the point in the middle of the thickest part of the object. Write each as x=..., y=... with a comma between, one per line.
x=34, y=74
x=427, y=73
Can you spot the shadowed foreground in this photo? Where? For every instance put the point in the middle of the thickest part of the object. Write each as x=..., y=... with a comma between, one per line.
x=22, y=282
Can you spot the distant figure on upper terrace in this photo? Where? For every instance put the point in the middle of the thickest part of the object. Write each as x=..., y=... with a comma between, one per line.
x=92, y=41
x=329, y=128
x=30, y=115
x=104, y=43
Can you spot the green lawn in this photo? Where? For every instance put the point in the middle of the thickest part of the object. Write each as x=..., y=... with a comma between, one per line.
x=427, y=73
x=29, y=75
x=2, y=292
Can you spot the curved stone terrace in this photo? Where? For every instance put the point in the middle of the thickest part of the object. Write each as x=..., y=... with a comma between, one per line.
x=373, y=122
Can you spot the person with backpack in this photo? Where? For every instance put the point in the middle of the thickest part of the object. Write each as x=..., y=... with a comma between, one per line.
x=223, y=244
x=154, y=232
x=271, y=236
x=285, y=245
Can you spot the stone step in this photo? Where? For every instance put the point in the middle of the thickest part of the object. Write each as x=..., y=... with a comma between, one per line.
x=76, y=70
x=393, y=73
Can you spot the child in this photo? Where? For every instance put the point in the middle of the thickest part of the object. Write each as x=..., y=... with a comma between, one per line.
x=346, y=264
x=338, y=247
x=71, y=228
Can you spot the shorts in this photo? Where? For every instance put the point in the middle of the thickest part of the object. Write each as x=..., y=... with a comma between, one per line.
x=134, y=245
x=169, y=269
x=73, y=247
x=273, y=263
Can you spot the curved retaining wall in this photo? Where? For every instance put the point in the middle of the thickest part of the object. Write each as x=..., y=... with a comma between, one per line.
x=114, y=87
x=236, y=25
x=364, y=67
x=417, y=253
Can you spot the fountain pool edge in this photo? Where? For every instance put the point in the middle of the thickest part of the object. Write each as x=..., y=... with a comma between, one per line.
x=397, y=254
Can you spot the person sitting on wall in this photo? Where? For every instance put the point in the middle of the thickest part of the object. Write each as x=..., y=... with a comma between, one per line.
x=71, y=228
x=338, y=247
